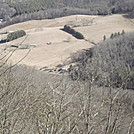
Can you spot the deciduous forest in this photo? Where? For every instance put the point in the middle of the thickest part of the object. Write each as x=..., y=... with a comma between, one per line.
x=18, y=11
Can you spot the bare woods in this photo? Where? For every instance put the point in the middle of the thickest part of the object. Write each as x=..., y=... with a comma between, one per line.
x=12, y=12
x=33, y=102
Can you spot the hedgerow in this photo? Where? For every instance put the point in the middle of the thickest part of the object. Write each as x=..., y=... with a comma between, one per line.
x=14, y=35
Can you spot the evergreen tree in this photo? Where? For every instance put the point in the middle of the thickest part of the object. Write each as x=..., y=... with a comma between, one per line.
x=112, y=35
x=123, y=32
x=104, y=37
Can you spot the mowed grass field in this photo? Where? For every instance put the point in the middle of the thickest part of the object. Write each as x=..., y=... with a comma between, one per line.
x=54, y=46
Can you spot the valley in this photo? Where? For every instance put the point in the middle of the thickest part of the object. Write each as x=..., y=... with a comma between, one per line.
x=50, y=46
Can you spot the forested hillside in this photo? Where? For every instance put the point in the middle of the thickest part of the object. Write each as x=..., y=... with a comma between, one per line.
x=110, y=63
x=53, y=83
x=34, y=102
x=18, y=11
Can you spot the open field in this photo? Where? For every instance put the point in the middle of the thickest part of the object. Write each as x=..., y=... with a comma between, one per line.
x=53, y=46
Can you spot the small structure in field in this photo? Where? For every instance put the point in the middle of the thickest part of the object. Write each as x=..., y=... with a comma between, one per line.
x=49, y=43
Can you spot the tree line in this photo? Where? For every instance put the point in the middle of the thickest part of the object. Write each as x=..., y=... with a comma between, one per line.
x=70, y=30
x=18, y=11
x=13, y=35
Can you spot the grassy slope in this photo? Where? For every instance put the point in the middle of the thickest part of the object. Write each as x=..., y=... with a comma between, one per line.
x=43, y=31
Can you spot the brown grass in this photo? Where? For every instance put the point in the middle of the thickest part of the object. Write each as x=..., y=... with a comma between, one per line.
x=62, y=45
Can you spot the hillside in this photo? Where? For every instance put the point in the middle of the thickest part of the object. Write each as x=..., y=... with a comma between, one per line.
x=41, y=33
x=12, y=12
x=37, y=102
x=110, y=62
x=53, y=81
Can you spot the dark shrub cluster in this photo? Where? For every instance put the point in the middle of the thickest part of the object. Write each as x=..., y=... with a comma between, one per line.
x=70, y=30
x=15, y=35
